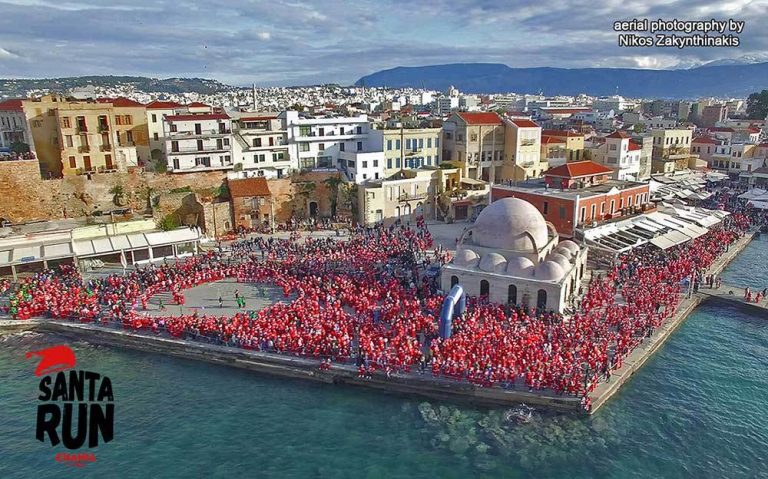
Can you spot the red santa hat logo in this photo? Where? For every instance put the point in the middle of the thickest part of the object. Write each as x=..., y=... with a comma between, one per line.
x=53, y=359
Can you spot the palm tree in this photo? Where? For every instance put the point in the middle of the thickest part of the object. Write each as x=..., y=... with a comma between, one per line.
x=117, y=194
x=333, y=190
x=350, y=198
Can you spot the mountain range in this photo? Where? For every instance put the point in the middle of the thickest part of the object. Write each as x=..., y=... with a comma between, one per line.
x=719, y=80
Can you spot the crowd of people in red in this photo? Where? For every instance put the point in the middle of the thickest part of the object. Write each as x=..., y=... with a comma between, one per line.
x=364, y=301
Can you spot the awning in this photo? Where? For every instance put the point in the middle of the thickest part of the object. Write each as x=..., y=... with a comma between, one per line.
x=662, y=242
x=57, y=250
x=27, y=254
x=676, y=237
x=472, y=181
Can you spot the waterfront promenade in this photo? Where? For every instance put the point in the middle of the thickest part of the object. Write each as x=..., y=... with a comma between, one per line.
x=425, y=385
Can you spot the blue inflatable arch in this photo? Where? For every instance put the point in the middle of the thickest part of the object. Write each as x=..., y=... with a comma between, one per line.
x=454, y=304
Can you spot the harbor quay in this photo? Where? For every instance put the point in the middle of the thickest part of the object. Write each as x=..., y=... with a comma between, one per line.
x=413, y=383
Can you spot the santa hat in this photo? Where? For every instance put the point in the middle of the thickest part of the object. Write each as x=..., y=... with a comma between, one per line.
x=53, y=359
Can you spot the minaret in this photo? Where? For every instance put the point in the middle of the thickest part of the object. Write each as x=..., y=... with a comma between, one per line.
x=255, y=105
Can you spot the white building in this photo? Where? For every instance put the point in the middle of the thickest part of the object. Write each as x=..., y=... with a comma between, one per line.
x=447, y=104
x=260, y=144
x=621, y=155
x=511, y=255
x=198, y=142
x=522, y=147
x=156, y=111
x=13, y=125
x=319, y=142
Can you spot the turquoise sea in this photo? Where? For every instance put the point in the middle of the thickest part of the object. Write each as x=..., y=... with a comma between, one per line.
x=698, y=409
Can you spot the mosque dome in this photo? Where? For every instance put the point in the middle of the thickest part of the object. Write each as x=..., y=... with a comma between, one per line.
x=570, y=245
x=466, y=258
x=549, y=271
x=560, y=259
x=493, y=263
x=563, y=251
x=520, y=266
x=507, y=223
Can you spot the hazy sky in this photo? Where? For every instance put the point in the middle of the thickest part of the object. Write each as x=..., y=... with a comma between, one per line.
x=290, y=42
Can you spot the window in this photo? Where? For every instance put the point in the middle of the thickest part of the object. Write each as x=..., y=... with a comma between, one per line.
x=65, y=122
x=174, y=146
x=203, y=161
x=583, y=213
x=303, y=146
x=81, y=124
x=365, y=176
x=155, y=137
x=541, y=300
x=341, y=146
x=365, y=164
x=69, y=141
x=72, y=162
x=118, y=120
x=108, y=161
x=271, y=141
x=174, y=128
x=304, y=131
x=437, y=159
x=429, y=142
x=546, y=207
x=407, y=143
x=397, y=144
x=389, y=144
x=359, y=130
x=421, y=142
x=198, y=129
x=128, y=120
x=613, y=206
x=278, y=156
x=154, y=118
x=321, y=146
x=454, y=281
x=389, y=163
x=602, y=208
x=473, y=137
x=359, y=146
x=594, y=209
x=257, y=142
x=562, y=212
x=437, y=142
x=397, y=163
x=612, y=147
x=512, y=294
x=341, y=130
x=484, y=288
x=629, y=201
x=200, y=145
x=375, y=163
x=321, y=132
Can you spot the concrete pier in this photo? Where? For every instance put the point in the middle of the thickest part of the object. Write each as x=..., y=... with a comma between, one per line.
x=733, y=295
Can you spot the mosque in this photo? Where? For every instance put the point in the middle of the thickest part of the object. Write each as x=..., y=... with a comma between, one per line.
x=513, y=256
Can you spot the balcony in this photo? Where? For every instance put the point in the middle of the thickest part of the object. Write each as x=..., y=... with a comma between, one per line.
x=205, y=149
x=103, y=128
x=105, y=148
x=81, y=129
x=411, y=197
x=202, y=133
x=84, y=149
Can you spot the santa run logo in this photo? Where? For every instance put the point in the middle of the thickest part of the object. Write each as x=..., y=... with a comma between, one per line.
x=76, y=407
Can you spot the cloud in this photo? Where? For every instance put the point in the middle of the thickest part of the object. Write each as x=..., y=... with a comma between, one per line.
x=285, y=42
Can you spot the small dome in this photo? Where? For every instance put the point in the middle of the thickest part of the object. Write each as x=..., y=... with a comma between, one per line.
x=493, y=263
x=563, y=251
x=560, y=259
x=466, y=258
x=520, y=266
x=509, y=224
x=570, y=245
x=549, y=271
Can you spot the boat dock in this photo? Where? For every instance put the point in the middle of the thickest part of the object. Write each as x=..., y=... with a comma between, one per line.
x=733, y=295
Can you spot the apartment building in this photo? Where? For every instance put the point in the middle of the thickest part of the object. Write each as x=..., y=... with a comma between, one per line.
x=574, y=142
x=522, y=150
x=671, y=149
x=130, y=126
x=475, y=141
x=713, y=114
x=156, y=110
x=198, y=142
x=13, y=125
x=260, y=144
x=733, y=158
x=620, y=154
x=407, y=147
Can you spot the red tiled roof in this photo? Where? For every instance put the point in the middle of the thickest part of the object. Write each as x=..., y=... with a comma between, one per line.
x=634, y=146
x=197, y=104
x=704, y=139
x=120, y=102
x=722, y=130
x=480, y=118
x=753, y=130
x=546, y=140
x=523, y=123
x=205, y=116
x=561, y=133
x=249, y=187
x=578, y=169
x=162, y=105
x=618, y=134
x=11, y=105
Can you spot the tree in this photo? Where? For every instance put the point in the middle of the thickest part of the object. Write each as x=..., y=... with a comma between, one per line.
x=161, y=166
x=117, y=194
x=19, y=147
x=148, y=197
x=757, y=105
x=333, y=190
x=639, y=127
x=349, y=192
x=169, y=222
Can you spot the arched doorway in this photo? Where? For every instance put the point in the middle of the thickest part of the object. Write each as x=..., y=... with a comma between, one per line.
x=484, y=288
x=407, y=211
x=541, y=300
x=397, y=212
x=312, y=209
x=419, y=209
x=512, y=294
x=454, y=281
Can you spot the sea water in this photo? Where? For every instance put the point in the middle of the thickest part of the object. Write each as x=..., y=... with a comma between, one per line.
x=698, y=409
